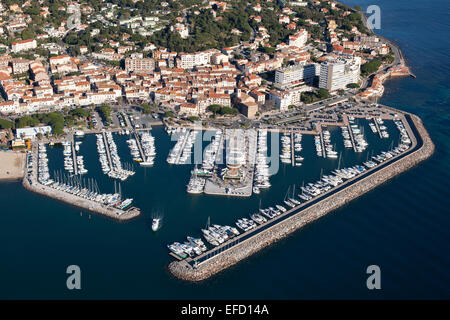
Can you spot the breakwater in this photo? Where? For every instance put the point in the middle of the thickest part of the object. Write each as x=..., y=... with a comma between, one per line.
x=421, y=149
x=82, y=203
x=30, y=182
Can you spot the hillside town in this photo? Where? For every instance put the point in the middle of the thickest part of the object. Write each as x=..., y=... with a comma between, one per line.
x=114, y=56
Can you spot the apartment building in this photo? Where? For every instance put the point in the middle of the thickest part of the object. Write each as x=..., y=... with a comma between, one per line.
x=139, y=65
x=298, y=39
x=23, y=45
x=337, y=73
x=295, y=74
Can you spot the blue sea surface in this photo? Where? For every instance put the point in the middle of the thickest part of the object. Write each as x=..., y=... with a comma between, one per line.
x=402, y=226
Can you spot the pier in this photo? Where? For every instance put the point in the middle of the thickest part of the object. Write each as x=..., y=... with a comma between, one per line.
x=350, y=132
x=292, y=149
x=138, y=142
x=248, y=243
x=324, y=153
x=108, y=154
x=30, y=182
x=182, y=147
x=74, y=155
x=378, y=127
x=220, y=159
x=241, y=187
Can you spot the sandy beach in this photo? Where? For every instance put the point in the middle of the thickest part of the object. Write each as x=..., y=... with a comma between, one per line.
x=11, y=165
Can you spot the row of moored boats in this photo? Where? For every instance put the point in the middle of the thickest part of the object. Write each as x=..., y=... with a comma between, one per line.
x=217, y=235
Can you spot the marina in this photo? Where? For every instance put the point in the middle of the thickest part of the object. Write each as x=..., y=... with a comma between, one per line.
x=235, y=177
x=73, y=190
x=401, y=225
x=235, y=163
x=218, y=235
x=232, y=251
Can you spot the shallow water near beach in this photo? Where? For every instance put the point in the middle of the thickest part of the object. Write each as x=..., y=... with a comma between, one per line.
x=402, y=226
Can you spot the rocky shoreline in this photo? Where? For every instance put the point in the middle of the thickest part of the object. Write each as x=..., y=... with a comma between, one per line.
x=225, y=259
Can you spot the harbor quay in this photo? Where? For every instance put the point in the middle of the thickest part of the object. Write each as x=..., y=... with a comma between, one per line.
x=31, y=183
x=82, y=203
x=243, y=246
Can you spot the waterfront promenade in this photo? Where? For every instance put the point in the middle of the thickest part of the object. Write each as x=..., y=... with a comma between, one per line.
x=230, y=253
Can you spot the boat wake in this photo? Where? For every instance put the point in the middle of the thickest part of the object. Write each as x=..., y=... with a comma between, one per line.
x=157, y=218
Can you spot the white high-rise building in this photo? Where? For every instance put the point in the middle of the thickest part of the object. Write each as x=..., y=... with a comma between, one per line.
x=291, y=75
x=338, y=73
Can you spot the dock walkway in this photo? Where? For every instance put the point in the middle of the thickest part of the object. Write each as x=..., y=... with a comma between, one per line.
x=138, y=142
x=74, y=155
x=188, y=132
x=350, y=132
x=30, y=182
x=322, y=143
x=108, y=154
x=292, y=149
x=378, y=128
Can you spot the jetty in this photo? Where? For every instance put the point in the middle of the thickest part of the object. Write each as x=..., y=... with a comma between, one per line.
x=31, y=183
x=139, y=145
x=350, y=132
x=108, y=153
x=74, y=155
x=250, y=242
x=322, y=143
x=378, y=127
x=292, y=149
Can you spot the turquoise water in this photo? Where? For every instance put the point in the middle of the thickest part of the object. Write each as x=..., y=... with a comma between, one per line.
x=401, y=226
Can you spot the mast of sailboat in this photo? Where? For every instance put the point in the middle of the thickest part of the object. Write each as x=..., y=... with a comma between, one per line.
x=339, y=162
x=287, y=192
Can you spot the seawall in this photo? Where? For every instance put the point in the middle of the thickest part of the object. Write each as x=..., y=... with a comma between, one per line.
x=230, y=256
x=82, y=203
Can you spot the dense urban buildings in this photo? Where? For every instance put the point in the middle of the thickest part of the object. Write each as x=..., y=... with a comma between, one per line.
x=272, y=65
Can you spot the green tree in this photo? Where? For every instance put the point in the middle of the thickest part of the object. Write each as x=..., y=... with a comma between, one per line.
x=214, y=108
x=105, y=112
x=370, y=67
x=353, y=85
x=80, y=113
x=146, y=108
x=323, y=94
x=227, y=110
x=6, y=124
